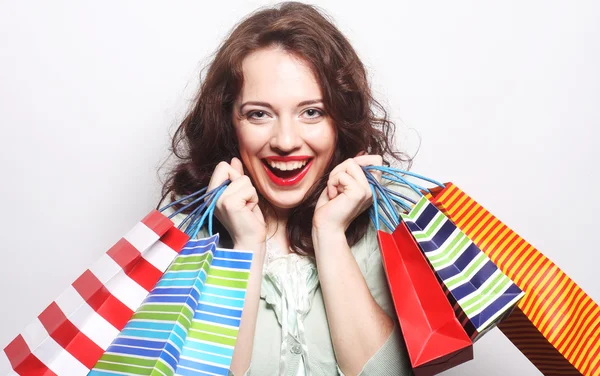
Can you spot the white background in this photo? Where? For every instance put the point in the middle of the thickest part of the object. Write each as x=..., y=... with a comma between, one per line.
x=504, y=97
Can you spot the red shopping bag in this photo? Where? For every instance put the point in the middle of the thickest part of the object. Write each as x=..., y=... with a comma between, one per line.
x=73, y=332
x=435, y=339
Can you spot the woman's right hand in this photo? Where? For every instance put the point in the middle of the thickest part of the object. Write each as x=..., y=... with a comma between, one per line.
x=237, y=208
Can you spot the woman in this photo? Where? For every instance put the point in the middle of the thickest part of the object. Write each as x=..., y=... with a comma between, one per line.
x=285, y=112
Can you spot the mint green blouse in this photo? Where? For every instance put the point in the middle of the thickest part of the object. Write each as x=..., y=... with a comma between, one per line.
x=292, y=333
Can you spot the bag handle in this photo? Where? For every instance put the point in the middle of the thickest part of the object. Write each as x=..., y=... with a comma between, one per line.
x=382, y=200
x=389, y=202
x=396, y=175
x=206, y=202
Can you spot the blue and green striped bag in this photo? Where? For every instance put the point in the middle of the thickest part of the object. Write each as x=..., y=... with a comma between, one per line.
x=481, y=293
x=189, y=322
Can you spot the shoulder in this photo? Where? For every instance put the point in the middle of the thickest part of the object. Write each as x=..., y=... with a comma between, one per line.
x=364, y=249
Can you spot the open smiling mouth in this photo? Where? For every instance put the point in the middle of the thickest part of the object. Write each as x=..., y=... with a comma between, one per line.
x=287, y=171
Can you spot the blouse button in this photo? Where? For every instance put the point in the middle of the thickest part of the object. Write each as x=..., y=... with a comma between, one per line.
x=296, y=349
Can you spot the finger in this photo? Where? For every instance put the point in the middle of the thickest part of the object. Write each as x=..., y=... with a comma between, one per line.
x=237, y=165
x=223, y=171
x=342, y=182
x=347, y=166
x=376, y=174
x=248, y=195
x=332, y=190
x=353, y=169
x=340, y=167
x=361, y=160
x=240, y=193
x=323, y=197
x=238, y=185
x=371, y=160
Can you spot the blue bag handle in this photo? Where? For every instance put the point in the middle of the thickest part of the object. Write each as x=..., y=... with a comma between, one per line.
x=395, y=175
x=388, y=200
x=206, y=202
x=382, y=200
x=386, y=203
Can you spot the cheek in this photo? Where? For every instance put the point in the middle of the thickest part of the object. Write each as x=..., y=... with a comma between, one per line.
x=248, y=142
x=322, y=139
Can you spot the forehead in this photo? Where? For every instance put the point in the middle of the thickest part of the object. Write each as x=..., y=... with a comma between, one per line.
x=276, y=76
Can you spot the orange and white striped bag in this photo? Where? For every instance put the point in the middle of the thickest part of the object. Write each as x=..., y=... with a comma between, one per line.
x=556, y=325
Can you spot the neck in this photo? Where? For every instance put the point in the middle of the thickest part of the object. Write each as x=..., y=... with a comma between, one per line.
x=276, y=221
x=277, y=218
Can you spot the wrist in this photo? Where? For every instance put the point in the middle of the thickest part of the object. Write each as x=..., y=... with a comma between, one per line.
x=324, y=237
x=258, y=258
x=324, y=228
x=250, y=245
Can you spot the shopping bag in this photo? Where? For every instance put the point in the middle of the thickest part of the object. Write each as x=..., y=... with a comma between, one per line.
x=69, y=336
x=189, y=322
x=435, y=339
x=557, y=325
x=73, y=332
x=481, y=294
x=213, y=334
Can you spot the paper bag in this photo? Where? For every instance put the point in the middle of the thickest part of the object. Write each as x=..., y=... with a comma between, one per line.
x=557, y=325
x=434, y=338
x=190, y=319
x=71, y=334
x=481, y=294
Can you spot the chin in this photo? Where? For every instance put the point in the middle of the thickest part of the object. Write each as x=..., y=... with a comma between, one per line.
x=285, y=200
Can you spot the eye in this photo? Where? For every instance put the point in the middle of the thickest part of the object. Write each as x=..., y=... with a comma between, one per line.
x=314, y=113
x=258, y=115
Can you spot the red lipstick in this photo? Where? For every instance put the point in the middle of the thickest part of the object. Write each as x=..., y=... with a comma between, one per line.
x=289, y=181
x=287, y=158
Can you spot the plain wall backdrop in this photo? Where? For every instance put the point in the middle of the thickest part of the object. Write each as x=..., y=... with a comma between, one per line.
x=502, y=97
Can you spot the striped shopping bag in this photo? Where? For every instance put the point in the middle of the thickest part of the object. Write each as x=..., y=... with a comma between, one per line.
x=557, y=325
x=71, y=334
x=482, y=295
x=188, y=324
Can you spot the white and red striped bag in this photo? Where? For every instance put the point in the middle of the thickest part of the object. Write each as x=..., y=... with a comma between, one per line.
x=73, y=332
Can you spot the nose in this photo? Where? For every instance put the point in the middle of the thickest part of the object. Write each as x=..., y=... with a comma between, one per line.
x=286, y=136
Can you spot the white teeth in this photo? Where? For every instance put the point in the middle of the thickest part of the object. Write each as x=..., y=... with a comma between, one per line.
x=287, y=166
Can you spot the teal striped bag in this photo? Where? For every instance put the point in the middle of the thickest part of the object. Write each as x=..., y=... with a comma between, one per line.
x=189, y=322
x=481, y=293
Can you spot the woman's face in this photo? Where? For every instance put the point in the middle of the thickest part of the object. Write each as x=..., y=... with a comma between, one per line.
x=285, y=138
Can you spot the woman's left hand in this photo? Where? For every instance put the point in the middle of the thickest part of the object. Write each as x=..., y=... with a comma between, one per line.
x=347, y=194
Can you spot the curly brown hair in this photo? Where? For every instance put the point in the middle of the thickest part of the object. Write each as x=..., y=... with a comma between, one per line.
x=207, y=135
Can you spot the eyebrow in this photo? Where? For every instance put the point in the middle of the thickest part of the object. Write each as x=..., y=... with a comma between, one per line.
x=265, y=104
